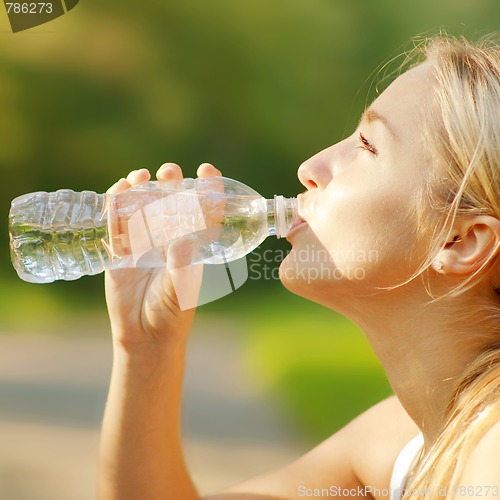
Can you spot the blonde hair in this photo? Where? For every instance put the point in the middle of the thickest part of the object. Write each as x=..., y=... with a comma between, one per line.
x=463, y=139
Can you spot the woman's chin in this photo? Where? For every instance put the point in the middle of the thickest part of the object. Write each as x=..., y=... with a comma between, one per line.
x=289, y=274
x=319, y=280
x=301, y=276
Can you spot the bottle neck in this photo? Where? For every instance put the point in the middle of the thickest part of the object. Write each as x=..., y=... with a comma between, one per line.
x=282, y=213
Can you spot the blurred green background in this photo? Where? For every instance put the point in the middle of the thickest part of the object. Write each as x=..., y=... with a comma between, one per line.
x=253, y=87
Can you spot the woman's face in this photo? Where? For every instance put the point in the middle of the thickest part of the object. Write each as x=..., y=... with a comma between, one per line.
x=361, y=199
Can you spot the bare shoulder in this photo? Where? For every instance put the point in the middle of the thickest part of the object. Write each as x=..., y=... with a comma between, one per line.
x=482, y=468
x=360, y=454
x=377, y=436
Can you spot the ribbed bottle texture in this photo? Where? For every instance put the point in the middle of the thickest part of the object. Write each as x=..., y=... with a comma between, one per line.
x=58, y=235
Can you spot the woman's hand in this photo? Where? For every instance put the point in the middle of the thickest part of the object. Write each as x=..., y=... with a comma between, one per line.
x=150, y=307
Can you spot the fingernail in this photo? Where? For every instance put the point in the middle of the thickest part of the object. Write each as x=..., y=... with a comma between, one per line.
x=165, y=167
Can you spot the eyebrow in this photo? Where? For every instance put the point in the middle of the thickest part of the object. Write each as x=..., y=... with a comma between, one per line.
x=370, y=115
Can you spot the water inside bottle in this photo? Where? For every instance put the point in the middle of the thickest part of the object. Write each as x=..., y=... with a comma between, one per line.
x=65, y=235
x=243, y=227
x=43, y=254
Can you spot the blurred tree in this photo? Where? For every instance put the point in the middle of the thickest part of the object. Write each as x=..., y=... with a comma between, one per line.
x=255, y=88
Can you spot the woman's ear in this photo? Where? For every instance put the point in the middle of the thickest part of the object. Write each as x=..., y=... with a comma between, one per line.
x=474, y=240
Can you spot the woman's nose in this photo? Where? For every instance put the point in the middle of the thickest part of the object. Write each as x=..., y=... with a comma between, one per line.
x=315, y=173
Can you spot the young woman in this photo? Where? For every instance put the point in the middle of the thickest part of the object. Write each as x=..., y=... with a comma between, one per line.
x=418, y=183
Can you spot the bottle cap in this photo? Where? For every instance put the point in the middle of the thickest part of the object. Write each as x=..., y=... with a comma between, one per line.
x=285, y=214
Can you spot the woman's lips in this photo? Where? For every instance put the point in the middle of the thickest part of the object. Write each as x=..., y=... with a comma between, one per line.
x=295, y=227
x=300, y=222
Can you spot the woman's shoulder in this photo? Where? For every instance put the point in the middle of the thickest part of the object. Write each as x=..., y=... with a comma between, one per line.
x=360, y=455
x=378, y=435
x=482, y=468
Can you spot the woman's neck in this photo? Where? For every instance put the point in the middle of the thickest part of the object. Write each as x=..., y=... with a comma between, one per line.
x=424, y=351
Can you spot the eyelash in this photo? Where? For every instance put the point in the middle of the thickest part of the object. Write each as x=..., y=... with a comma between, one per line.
x=366, y=145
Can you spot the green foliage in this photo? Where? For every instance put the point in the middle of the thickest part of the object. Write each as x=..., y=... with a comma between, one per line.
x=253, y=87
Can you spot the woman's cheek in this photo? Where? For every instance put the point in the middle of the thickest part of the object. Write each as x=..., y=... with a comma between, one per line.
x=354, y=235
x=346, y=239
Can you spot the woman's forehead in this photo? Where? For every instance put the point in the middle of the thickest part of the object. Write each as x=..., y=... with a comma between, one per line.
x=407, y=97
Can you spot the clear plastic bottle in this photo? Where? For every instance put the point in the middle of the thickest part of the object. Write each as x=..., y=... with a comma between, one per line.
x=64, y=235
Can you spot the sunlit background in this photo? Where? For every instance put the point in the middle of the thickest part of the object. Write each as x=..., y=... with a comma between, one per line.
x=253, y=87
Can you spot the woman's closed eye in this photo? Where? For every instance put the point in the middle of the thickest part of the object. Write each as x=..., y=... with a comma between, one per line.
x=367, y=145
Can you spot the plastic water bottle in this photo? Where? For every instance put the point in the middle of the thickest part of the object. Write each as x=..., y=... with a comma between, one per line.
x=65, y=234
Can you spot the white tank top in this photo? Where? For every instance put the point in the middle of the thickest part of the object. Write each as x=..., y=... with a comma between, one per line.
x=403, y=465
